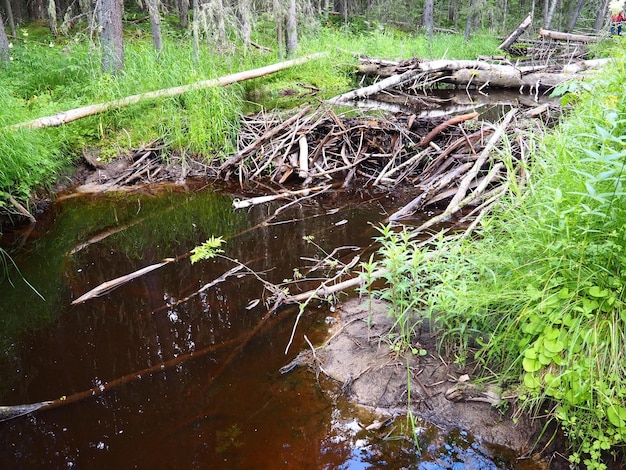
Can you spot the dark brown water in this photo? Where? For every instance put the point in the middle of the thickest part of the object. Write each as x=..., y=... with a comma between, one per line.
x=228, y=407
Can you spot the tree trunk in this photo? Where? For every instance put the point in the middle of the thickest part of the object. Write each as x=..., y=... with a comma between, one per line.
x=64, y=117
x=547, y=21
x=280, y=18
x=4, y=43
x=111, y=40
x=9, y=12
x=567, y=36
x=244, y=16
x=36, y=9
x=86, y=8
x=470, y=18
x=52, y=18
x=155, y=24
x=196, y=32
x=575, y=15
x=604, y=5
x=291, y=27
x=427, y=17
x=523, y=26
x=183, y=13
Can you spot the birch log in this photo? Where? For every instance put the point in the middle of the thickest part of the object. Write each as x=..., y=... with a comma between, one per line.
x=64, y=117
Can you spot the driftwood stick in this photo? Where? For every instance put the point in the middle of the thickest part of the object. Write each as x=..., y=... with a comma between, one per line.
x=239, y=204
x=13, y=411
x=477, y=194
x=450, y=122
x=21, y=209
x=108, y=286
x=436, y=185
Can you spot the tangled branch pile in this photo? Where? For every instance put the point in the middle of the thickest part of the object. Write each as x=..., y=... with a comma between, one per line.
x=445, y=159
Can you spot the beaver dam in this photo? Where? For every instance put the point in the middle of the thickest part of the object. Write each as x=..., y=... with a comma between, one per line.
x=146, y=358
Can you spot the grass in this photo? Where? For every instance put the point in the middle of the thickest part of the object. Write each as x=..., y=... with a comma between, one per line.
x=538, y=298
x=64, y=73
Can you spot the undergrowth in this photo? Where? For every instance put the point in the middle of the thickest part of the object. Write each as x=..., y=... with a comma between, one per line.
x=538, y=296
x=47, y=75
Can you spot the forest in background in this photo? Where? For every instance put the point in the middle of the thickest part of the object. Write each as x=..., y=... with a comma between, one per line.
x=218, y=21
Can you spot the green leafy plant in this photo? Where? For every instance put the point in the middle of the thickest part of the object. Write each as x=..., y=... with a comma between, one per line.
x=208, y=250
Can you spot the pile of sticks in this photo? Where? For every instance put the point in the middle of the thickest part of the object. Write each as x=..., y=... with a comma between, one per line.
x=440, y=157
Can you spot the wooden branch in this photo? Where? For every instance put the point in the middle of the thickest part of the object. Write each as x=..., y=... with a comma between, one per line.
x=481, y=160
x=523, y=26
x=239, y=204
x=64, y=117
x=450, y=122
x=12, y=411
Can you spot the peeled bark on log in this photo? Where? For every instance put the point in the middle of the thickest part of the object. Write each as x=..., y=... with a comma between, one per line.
x=64, y=117
x=523, y=26
x=476, y=73
x=546, y=33
x=508, y=76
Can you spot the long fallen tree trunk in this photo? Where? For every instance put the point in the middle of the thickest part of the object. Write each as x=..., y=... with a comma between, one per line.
x=476, y=73
x=64, y=117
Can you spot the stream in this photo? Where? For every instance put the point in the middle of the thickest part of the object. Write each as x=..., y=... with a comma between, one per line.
x=219, y=400
x=228, y=408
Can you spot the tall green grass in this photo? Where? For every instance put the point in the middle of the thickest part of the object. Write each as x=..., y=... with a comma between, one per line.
x=538, y=297
x=48, y=75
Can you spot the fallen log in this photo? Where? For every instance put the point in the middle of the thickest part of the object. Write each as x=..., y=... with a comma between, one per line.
x=475, y=73
x=64, y=117
x=546, y=33
x=523, y=26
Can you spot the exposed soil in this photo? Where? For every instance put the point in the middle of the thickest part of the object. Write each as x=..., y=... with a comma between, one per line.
x=358, y=355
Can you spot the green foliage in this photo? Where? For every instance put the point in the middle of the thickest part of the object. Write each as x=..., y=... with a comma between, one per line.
x=209, y=249
x=539, y=296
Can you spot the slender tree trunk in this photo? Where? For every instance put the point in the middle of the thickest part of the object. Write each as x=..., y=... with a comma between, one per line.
x=575, y=15
x=196, y=33
x=470, y=19
x=86, y=8
x=4, y=43
x=547, y=21
x=292, y=29
x=52, y=17
x=37, y=9
x=428, y=21
x=183, y=13
x=111, y=40
x=601, y=18
x=221, y=22
x=280, y=18
x=244, y=15
x=9, y=12
x=155, y=24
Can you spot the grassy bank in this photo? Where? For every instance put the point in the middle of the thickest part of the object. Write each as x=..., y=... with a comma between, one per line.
x=47, y=75
x=537, y=298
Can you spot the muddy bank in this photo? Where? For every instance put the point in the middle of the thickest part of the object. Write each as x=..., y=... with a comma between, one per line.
x=358, y=355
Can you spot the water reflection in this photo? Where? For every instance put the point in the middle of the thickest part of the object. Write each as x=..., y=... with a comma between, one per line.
x=220, y=401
